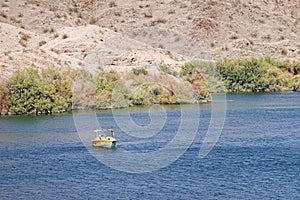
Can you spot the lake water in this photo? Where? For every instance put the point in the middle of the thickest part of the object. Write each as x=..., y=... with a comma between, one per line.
x=257, y=156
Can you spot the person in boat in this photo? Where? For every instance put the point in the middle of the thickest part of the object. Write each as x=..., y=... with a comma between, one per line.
x=112, y=133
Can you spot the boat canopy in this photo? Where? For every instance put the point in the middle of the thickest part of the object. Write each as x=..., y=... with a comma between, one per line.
x=103, y=130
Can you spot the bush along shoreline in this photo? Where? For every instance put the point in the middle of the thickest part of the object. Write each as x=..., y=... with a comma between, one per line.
x=36, y=92
x=49, y=90
x=259, y=75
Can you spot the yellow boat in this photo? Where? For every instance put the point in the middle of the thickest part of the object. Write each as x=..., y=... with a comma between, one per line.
x=101, y=140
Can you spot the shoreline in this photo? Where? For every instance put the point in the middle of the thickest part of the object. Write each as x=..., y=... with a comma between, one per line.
x=109, y=109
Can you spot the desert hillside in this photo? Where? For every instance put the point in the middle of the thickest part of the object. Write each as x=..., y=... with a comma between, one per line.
x=119, y=53
x=94, y=34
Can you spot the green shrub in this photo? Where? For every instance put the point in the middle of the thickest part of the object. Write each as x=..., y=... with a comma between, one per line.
x=111, y=91
x=140, y=97
x=257, y=74
x=4, y=103
x=34, y=92
x=296, y=83
x=107, y=81
x=188, y=69
x=194, y=73
x=146, y=93
x=139, y=70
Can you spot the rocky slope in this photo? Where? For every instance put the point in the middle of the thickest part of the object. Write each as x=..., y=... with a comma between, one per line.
x=121, y=34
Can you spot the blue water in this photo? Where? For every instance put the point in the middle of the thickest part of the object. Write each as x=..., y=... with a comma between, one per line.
x=257, y=156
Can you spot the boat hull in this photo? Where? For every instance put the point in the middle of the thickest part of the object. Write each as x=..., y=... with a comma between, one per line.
x=104, y=144
x=103, y=141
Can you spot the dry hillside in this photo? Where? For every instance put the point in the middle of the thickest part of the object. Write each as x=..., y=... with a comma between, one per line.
x=118, y=34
